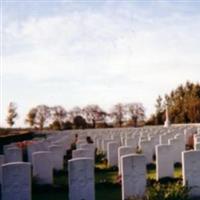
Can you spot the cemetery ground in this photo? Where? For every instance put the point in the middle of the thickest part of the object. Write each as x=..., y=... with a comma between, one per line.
x=52, y=157
x=107, y=185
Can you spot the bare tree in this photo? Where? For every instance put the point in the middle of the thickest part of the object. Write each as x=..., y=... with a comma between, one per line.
x=118, y=112
x=12, y=114
x=94, y=113
x=59, y=114
x=135, y=111
x=31, y=117
x=42, y=116
x=76, y=111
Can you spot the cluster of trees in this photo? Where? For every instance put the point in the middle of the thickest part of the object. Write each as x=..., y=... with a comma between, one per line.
x=12, y=114
x=183, y=104
x=90, y=116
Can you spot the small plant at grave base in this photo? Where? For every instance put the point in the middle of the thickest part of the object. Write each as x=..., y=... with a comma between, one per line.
x=168, y=191
x=100, y=157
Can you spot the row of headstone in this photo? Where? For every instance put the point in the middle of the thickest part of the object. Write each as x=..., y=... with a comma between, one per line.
x=117, y=146
x=16, y=176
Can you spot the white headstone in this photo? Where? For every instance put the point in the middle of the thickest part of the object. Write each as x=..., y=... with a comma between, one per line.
x=13, y=154
x=57, y=156
x=146, y=147
x=105, y=142
x=90, y=147
x=131, y=142
x=178, y=148
x=123, y=150
x=82, y=153
x=164, y=161
x=43, y=167
x=133, y=176
x=16, y=181
x=112, y=153
x=31, y=148
x=81, y=179
x=8, y=146
x=191, y=171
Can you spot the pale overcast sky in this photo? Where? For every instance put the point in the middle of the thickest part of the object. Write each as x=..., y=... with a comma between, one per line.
x=84, y=52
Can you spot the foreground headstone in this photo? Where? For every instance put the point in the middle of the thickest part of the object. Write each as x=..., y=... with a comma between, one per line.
x=81, y=179
x=191, y=171
x=133, y=176
x=164, y=161
x=16, y=181
x=13, y=154
x=43, y=167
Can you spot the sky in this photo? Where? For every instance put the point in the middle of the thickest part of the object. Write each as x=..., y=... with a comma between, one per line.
x=102, y=52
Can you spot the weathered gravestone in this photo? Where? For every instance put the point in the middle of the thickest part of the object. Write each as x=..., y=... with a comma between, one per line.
x=191, y=171
x=16, y=181
x=164, y=161
x=43, y=167
x=81, y=179
x=133, y=176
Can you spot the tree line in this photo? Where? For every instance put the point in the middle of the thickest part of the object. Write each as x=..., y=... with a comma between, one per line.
x=90, y=116
x=183, y=105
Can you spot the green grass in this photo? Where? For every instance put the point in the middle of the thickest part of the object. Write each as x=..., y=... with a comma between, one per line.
x=103, y=191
